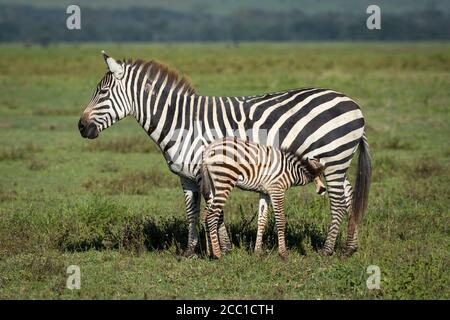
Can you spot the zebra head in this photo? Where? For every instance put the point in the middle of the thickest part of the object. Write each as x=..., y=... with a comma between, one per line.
x=108, y=104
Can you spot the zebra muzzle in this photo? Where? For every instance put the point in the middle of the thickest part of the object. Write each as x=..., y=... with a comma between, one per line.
x=320, y=187
x=87, y=130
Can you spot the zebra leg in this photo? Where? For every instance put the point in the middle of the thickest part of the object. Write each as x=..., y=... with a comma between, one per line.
x=192, y=201
x=211, y=220
x=207, y=234
x=277, y=199
x=352, y=237
x=262, y=221
x=352, y=229
x=224, y=240
x=335, y=184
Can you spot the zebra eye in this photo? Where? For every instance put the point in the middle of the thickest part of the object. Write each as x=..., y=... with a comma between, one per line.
x=104, y=90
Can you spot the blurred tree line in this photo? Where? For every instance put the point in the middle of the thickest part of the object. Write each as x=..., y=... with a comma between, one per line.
x=28, y=24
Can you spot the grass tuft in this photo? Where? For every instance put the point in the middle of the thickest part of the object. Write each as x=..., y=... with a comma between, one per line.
x=132, y=183
x=19, y=153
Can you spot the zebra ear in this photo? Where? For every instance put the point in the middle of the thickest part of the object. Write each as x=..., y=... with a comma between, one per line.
x=113, y=66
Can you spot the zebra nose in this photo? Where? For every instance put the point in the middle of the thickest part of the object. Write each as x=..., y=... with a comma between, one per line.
x=81, y=125
x=87, y=129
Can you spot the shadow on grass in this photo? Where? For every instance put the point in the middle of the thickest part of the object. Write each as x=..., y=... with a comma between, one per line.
x=102, y=223
x=148, y=234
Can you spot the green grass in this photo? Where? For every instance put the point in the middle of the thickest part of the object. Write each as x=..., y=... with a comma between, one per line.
x=112, y=207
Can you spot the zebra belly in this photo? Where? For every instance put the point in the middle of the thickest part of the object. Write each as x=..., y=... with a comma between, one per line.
x=247, y=185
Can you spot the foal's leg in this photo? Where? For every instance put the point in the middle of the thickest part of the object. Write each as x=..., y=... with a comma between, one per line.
x=262, y=221
x=277, y=199
x=212, y=218
x=213, y=215
x=224, y=240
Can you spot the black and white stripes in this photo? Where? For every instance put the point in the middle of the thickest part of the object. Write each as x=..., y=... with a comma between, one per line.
x=312, y=123
x=230, y=162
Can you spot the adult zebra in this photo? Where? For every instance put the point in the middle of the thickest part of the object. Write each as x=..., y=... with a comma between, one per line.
x=312, y=122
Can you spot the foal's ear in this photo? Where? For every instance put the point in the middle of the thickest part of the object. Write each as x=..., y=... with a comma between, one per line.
x=315, y=166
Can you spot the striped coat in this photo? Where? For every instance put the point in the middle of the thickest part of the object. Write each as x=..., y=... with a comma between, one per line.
x=312, y=122
x=230, y=162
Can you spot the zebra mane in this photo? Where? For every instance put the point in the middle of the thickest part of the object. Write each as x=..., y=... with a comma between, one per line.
x=174, y=79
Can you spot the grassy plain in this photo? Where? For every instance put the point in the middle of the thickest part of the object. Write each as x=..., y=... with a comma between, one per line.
x=112, y=207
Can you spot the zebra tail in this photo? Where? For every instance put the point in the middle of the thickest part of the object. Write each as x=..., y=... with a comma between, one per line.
x=362, y=183
x=205, y=185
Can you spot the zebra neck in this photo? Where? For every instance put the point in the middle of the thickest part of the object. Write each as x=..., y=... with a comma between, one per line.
x=165, y=120
x=183, y=124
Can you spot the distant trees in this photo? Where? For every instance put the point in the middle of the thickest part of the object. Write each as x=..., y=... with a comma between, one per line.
x=45, y=25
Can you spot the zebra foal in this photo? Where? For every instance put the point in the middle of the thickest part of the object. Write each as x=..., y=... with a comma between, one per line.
x=229, y=162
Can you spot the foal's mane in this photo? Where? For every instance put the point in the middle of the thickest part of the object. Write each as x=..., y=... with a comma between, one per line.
x=174, y=79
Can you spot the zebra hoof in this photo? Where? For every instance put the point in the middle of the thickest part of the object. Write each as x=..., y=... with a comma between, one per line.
x=284, y=256
x=226, y=249
x=326, y=252
x=348, y=252
x=189, y=253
